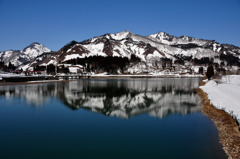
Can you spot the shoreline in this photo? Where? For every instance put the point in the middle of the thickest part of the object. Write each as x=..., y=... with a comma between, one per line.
x=229, y=134
x=100, y=77
x=146, y=76
x=33, y=82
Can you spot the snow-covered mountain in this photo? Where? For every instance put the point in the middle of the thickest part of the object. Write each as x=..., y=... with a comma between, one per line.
x=157, y=45
x=152, y=50
x=18, y=57
x=160, y=45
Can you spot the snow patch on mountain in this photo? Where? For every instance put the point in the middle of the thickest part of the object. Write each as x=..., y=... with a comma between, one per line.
x=120, y=35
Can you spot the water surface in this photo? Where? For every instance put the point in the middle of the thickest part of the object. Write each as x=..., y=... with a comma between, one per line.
x=108, y=118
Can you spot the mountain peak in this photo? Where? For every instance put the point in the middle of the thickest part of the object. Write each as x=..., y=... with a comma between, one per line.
x=35, y=49
x=125, y=31
x=32, y=45
x=185, y=37
x=121, y=35
x=162, y=33
x=35, y=43
x=161, y=37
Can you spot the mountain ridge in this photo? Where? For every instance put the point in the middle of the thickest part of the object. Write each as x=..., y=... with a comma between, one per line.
x=153, y=50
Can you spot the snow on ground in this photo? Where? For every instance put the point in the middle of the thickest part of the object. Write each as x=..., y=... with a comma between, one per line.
x=225, y=94
x=72, y=56
x=6, y=74
x=73, y=69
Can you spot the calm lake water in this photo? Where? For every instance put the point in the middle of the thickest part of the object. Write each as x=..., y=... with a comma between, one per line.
x=106, y=118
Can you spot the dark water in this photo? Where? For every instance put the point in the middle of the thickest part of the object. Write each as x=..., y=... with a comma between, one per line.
x=116, y=118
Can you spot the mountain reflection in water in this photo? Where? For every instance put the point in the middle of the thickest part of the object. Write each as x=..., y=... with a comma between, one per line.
x=123, y=98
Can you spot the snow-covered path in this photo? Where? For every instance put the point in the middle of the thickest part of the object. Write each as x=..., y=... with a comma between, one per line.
x=225, y=95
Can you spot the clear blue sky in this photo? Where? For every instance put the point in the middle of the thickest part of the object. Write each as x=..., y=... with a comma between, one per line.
x=56, y=22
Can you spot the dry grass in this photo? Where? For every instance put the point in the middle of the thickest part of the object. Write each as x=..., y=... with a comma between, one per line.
x=228, y=128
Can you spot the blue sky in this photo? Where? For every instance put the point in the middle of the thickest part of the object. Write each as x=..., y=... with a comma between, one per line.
x=56, y=22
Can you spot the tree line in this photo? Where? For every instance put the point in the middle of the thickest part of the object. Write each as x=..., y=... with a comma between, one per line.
x=7, y=68
x=110, y=64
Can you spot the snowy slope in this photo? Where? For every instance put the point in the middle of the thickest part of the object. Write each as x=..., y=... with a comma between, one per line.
x=34, y=50
x=110, y=45
x=225, y=95
x=18, y=57
x=165, y=38
x=125, y=43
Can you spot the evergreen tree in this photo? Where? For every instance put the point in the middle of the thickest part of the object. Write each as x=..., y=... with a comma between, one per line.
x=50, y=69
x=11, y=66
x=2, y=66
x=210, y=72
x=200, y=71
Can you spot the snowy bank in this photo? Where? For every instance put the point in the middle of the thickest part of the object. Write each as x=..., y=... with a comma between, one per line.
x=225, y=94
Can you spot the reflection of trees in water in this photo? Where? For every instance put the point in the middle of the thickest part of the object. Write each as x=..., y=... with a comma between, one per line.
x=122, y=98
